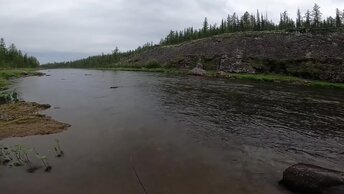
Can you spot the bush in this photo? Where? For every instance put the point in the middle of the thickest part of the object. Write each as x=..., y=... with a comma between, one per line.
x=152, y=64
x=8, y=97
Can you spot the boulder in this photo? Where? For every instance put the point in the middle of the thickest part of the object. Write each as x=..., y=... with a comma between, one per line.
x=311, y=179
x=223, y=74
x=198, y=71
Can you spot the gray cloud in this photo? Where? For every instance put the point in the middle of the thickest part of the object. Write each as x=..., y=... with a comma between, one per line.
x=58, y=30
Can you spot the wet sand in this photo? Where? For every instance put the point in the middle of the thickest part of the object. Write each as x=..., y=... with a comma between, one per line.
x=23, y=119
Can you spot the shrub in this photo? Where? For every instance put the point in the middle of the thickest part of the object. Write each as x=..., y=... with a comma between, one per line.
x=152, y=64
x=8, y=97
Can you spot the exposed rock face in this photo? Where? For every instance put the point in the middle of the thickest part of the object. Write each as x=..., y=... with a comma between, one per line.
x=311, y=179
x=305, y=55
x=235, y=64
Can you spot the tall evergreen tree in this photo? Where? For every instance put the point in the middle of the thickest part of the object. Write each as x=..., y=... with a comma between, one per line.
x=259, y=27
x=338, y=18
x=205, y=26
x=246, y=21
x=298, y=19
x=307, y=19
x=316, y=16
x=223, y=26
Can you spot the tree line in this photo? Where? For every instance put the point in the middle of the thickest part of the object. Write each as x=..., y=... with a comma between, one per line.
x=103, y=60
x=11, y=57
x=311, y=21
x=308, y=22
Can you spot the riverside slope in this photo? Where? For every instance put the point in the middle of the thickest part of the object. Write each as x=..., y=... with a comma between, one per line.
x=311, y=56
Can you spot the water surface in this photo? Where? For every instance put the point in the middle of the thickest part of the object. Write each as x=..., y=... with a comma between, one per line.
x=176, y=134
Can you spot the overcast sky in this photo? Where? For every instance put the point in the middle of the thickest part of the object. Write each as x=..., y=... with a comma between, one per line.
x=59, y=30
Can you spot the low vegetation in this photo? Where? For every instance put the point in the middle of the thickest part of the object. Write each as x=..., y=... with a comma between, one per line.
x=23, y=156
x=7, y=74
x=287, y=79
x=277, y=78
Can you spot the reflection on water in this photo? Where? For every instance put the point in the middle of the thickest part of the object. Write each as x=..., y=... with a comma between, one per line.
x=180, y=134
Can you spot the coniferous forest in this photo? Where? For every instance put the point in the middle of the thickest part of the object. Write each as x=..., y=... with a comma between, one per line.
x=312, y=21
x=11, y=57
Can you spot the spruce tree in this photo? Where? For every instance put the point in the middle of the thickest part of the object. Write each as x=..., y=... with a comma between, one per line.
x=308, y=19
x=205, y=26
x=298, y=19
x=258, y=21
x=338, y=18
x=316, y=16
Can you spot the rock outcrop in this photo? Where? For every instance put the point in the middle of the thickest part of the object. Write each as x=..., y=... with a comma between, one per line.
x=311, y=179
x=313, y=56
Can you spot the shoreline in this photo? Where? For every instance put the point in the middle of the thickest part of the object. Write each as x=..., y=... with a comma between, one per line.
x=7, y=74
x=274, y=78
x=20, y=118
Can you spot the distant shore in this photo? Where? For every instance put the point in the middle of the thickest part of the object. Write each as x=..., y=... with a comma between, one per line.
x=276, y=78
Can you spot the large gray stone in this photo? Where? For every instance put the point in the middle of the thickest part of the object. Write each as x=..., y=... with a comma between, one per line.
x=311, y=179
x=198, y=71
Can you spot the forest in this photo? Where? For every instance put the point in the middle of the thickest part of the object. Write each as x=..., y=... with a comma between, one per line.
x=11, y=57
x=309, y=22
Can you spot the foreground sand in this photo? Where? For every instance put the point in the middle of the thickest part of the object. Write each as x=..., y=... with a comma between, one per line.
x=22, y=119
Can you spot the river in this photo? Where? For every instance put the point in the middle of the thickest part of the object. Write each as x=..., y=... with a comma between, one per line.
x=159, y=133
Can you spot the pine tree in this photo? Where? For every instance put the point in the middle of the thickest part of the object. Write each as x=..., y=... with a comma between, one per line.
x=285, y=21
x=223, y=27
x=316, y=14
x=205, y=26
x=229, y=24
x=2, y=44
x=298, y=19
x=307, y=19
x=338, y=18
x=235, y=22
x=258, y=21
x=246, y=23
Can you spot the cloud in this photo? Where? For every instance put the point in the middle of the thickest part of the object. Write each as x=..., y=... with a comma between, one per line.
x=58, y=30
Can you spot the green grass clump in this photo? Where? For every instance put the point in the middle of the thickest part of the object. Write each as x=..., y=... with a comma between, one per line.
x=321, y=84
x=288, y=79
x=6, y=74
x=267, y=77
x=3, y=84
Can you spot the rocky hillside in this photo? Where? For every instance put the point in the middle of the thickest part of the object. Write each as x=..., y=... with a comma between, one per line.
x=313, y=56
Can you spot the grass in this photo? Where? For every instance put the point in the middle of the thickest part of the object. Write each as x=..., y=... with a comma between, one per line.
x=286, y=79
x=7, y=74
x=321, y=84
x=144, y=69
x=276, y=78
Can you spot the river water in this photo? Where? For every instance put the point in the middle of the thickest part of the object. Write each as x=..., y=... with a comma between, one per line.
x=160, y=133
